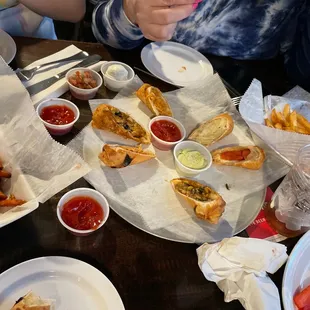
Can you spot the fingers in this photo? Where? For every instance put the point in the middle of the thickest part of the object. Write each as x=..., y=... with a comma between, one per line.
x=166, y=16
x=165, y=3
x=158, y=32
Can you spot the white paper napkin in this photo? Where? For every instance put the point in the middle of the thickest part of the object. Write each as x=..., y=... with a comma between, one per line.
x=253, y=109
x=59, y=88
x=239, y=267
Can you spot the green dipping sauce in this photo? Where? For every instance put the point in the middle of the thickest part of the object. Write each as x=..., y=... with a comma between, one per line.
x=192, y=159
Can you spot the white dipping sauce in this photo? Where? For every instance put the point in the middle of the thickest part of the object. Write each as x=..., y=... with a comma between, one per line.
x=117, y=72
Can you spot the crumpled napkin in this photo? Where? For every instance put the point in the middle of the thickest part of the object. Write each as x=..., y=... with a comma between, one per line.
x=60, y=87
x=239, y=267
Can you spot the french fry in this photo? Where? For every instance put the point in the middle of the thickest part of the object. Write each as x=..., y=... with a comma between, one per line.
x=278, y=126
x=281, y=119
x=11, y=202
x=288, y=129
x=268, y=123
x=301, y=130
x=303, y=122
x=2, y=196
x=286, y=112
x=5, y=174
x=293, y=120
x=274, y=118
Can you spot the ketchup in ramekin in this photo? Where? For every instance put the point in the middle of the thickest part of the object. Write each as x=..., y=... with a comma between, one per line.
x=83, y=211
x=58, y=115
x=166, y=132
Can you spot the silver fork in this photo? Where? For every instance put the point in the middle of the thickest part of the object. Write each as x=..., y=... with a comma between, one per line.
x=27, y=74
x=236, y=100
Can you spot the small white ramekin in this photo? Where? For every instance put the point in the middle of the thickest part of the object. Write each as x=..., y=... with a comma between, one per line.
x=85, y=192
x=58, y=130
x=80, y=93
x=112, y=84
x=195, y=146
x=161, y=144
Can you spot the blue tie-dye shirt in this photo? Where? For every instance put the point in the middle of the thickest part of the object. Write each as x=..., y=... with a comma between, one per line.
x=241, y=29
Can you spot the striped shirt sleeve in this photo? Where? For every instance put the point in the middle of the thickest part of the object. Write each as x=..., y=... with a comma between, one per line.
x=112, y=27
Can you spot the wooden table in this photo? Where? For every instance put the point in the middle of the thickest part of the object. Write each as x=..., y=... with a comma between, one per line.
x=148, y=272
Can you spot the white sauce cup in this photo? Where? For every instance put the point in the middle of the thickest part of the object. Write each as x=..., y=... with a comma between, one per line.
x=85, y=192
x=58, y=130
x=113, y=84
x=161, y=144
x=195, y=146
x=80, y=93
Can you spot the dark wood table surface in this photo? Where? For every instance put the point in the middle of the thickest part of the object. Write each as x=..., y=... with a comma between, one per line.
x=148, y=272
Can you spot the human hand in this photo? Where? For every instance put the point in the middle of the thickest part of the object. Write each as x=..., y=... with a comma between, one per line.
x=157, y=19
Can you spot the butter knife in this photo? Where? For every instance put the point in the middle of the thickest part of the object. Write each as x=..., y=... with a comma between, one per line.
x=38, y=87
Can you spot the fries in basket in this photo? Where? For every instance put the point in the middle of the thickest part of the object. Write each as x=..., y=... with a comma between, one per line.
x=8, y=201
x=288, y=120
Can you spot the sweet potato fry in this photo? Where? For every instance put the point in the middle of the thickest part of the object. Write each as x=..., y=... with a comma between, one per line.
x=274, y=118
x=11, y=202
x=286, y=112
x=278, y=126
x=268, y=123
x=2, y=196
x=303, y=122
x=4, y=174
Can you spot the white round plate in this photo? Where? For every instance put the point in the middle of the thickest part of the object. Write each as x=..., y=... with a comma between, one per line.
x=175, y=63
x=73, y=284
x=297, y=272
x=245, y=209
x=7, y=47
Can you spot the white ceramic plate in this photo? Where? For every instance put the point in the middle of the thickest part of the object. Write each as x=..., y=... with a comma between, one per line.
x=175, y=63
x=247, y=209
x=7, y=47
x=73, y=284
x=297, y=272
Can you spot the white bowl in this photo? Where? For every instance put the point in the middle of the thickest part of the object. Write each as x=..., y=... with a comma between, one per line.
x=58, y=130
x=161, y=144
x=80, y=93
x=88, y=193
x=192, y=145
x=112, y=84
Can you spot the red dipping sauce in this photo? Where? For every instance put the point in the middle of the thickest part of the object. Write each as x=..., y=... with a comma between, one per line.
x=82, y=213
x=57, y=115
x=166, y=131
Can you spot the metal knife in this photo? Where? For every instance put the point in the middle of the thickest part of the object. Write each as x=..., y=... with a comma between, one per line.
x=36, y=88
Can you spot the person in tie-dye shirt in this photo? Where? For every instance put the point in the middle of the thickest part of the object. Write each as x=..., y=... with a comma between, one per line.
x=241, y=29
x=35, y=17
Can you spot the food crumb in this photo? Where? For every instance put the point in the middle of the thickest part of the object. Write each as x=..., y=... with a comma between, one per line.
x=227, y=186
x=183, y=68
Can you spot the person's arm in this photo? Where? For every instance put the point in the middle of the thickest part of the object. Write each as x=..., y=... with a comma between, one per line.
x=112, y=27
x=65, y=10
x=124, y=23
x=297, y=58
